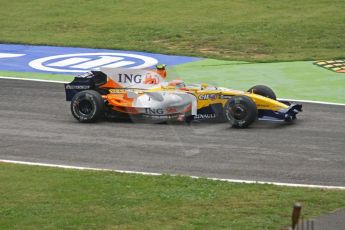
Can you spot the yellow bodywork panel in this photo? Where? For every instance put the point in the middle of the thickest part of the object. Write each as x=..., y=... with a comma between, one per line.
x=206, y=98
x=266, y=103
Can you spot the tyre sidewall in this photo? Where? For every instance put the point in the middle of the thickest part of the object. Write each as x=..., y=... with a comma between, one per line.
x=94, y=98
x=248, y=104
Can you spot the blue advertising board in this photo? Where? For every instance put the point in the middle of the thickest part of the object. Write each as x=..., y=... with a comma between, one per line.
x=69, y=60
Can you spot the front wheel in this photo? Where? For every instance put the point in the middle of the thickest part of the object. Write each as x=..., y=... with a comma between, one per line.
x=240, y=111
x=87, y=106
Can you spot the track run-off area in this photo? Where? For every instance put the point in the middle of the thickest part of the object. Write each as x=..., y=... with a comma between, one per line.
x=36, y=126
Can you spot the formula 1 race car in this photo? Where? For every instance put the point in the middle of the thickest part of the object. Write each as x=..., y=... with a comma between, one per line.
x=145, y=94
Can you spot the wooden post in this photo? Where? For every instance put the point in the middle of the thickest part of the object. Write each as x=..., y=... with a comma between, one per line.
x=296, y=213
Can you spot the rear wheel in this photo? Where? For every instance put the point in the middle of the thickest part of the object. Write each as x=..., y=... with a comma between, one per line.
x=263, y=91
x=87, y=106
x=240, y=111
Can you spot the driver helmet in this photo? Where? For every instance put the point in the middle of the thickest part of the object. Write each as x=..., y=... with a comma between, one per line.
x=160, y=69
x=161, y=66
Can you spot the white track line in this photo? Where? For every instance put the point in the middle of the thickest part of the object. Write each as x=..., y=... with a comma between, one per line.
x=32, y=79
x=282, y=99
x=159, y=174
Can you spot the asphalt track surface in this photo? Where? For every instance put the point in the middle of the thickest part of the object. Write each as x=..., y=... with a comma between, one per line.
x=36, y=125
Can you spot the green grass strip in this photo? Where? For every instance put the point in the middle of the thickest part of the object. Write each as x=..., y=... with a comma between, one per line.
x=34, y=197
x=234, y=30
x=40, y=76
x=297, y=80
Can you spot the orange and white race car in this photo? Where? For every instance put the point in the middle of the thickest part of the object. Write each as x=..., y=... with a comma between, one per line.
x=146, y=94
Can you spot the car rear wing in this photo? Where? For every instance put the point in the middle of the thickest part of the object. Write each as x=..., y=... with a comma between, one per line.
x=85, y=81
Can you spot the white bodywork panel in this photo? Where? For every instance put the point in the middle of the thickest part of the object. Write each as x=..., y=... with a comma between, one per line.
x=132, y=78
x=161, y=102
x=169, y=102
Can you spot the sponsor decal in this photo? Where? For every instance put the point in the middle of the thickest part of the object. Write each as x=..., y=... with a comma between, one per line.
x=120, y=91
x=208, y=96
x=225, y=96
x=67, y=60
x=77, y=87
x=171, y=110
x=10, y=55
x=131, y=110
x=81, y=62
x=85, y=75
x=130, y=78
x=115, y=91
x=154, y=111
x=161, y=117
x=205, y=116
x=149, y=78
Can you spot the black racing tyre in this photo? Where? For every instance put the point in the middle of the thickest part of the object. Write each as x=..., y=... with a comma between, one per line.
x=240, y=111
x=263, y=91
x=87, y=106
